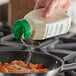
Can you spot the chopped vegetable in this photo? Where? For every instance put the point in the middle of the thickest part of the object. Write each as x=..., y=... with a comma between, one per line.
x=20, y=67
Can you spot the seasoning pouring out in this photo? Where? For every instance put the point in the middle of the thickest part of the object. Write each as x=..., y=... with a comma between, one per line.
x=29, y=51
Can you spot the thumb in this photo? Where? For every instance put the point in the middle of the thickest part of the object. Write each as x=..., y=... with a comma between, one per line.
x=50, y=7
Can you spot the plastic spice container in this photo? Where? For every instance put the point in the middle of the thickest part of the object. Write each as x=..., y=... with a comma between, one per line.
x=36, y=27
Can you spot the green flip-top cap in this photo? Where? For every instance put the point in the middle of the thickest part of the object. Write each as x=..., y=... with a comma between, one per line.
x=22, y=27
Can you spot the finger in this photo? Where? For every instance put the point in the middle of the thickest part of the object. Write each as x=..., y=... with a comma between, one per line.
x=66, y=5
x=37, y=4
x=41, y=4
x=50, y=7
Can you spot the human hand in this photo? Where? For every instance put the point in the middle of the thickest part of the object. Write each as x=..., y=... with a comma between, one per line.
x=50, y=5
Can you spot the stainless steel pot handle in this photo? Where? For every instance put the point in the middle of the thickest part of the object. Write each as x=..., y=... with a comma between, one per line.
x=68, y=67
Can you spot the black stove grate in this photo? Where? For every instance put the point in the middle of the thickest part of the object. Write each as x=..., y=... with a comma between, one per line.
x=61, y=46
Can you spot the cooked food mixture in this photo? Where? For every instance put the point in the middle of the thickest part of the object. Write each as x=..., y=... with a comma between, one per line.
x=21, y=67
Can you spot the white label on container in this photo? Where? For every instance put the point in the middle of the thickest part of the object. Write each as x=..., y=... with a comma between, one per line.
x=57, y=28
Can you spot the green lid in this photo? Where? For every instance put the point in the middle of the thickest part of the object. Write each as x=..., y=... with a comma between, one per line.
x=22, y=27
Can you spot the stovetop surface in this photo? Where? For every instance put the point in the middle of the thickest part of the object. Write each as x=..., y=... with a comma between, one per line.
x=63, y=46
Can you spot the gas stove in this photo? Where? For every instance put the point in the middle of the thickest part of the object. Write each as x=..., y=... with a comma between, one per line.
x=63, y=46
x=13, y=48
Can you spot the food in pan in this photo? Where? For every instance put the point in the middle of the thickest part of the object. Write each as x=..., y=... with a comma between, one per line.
x=20, y=67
